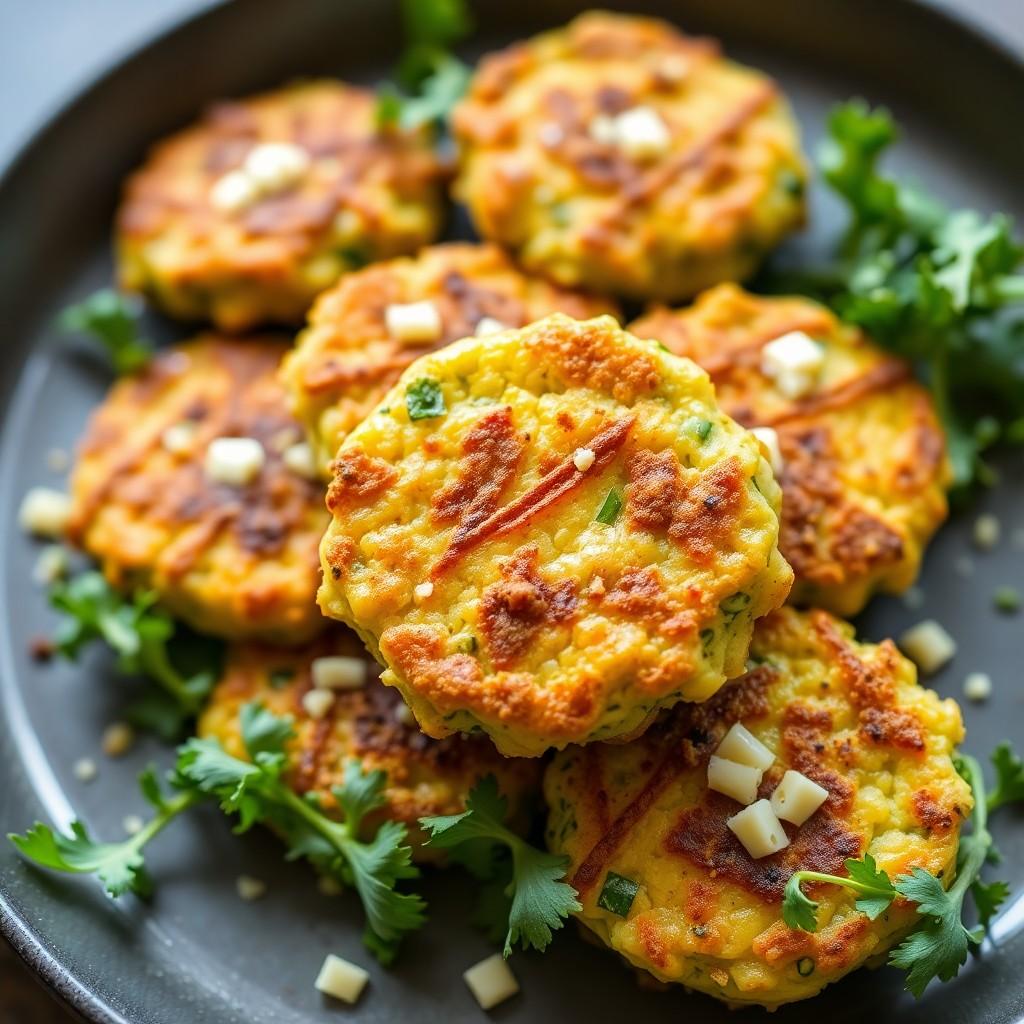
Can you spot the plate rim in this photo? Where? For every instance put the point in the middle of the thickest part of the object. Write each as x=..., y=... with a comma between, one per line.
x=31, y=946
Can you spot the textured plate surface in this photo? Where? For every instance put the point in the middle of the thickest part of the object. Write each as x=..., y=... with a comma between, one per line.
x=198, y=954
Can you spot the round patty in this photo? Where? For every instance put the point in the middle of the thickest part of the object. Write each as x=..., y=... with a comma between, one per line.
x=347, y=359
x=370, y=724
x=849, y=716
x=621, y=155
x=260, y=247
x=233, y=560
x=864, y=461
x=551, y=533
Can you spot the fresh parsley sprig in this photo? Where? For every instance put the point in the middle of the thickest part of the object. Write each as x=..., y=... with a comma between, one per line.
x=147, y=643
x=938, y=945
x=940, y=287
x=108, y=317
x=433, y=79
x=537, y=897
x=256, y=791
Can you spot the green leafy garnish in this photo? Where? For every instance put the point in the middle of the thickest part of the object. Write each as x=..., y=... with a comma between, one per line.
x=940, y=287
x=147, y=643
x=938, y=945
x=256, y=792
x=540, y=897
x=119, y=866
x=617, y=894
x=610, y=508
x=424, y=400
x=434, y=79
x=107, y=316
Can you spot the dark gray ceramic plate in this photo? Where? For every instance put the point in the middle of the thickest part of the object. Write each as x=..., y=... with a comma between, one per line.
x=198, y=954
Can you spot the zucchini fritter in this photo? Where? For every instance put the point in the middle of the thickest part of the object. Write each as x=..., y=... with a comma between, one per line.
x=849, y=716
x=551, y=533
x=236, y=559
x=864, y=463
x=370, y=724
x=620, y=155
x=243, y=218
x=348, y=358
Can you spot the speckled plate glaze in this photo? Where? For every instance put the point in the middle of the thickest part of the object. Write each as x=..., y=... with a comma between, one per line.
x=197, y=953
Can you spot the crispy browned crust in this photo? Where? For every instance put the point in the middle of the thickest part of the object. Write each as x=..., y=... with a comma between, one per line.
x=424, y=776
x=846, y=715
x=267, y=262
x=865, y=461
x=345, y=361
x=666, y=228
x=233, y=561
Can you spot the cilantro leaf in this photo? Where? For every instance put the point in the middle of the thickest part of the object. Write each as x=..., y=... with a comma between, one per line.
x=988, y=898
x=1009, y=786
x=435, y=79
x=875, y=892
x=147, y=643
x=942, y=288
x=107, y=317
x=541, y=899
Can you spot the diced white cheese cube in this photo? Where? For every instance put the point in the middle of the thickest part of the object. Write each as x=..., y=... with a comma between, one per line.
x=797, y=797
x=317, y=703
x=491, y=981
x=85, y=769
x=235, y=461
x=769, y=437
x=413, y=321
x=299, y=459
x=743, y=747
x=487, y=326
x=978, y=686
x=51, y=565
x=272, y=166
x=986, y=532
x=740, y=781
x=583, y=459
x=793, y=361
x=45, y=512
x=341, y=979
x=233, y=192
x=928, y=645
x=759, y=830
x=338, y=673
x=642, y=133
x=132, y=824
x=179, y=437
x=423, y=590
x=250, y=888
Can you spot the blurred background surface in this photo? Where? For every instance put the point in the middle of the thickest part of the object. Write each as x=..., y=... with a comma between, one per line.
x=50, y=49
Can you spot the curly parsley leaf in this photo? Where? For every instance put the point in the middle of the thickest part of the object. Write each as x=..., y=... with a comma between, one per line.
x=434, y=79
x=541, y=899
x=147, y=643
x=108, y=317
x=942, y=288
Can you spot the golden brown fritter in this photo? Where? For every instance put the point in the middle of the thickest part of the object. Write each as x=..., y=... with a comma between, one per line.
x=347, y=358
x=207, y=240
x=620, y=155
x=233, y=560
x=370, y=724
x=864, y=465
x=849, y=716
x=550, y=534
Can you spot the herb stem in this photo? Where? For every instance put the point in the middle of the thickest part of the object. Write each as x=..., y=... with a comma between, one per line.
x=849, y=883
x=164, y=816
